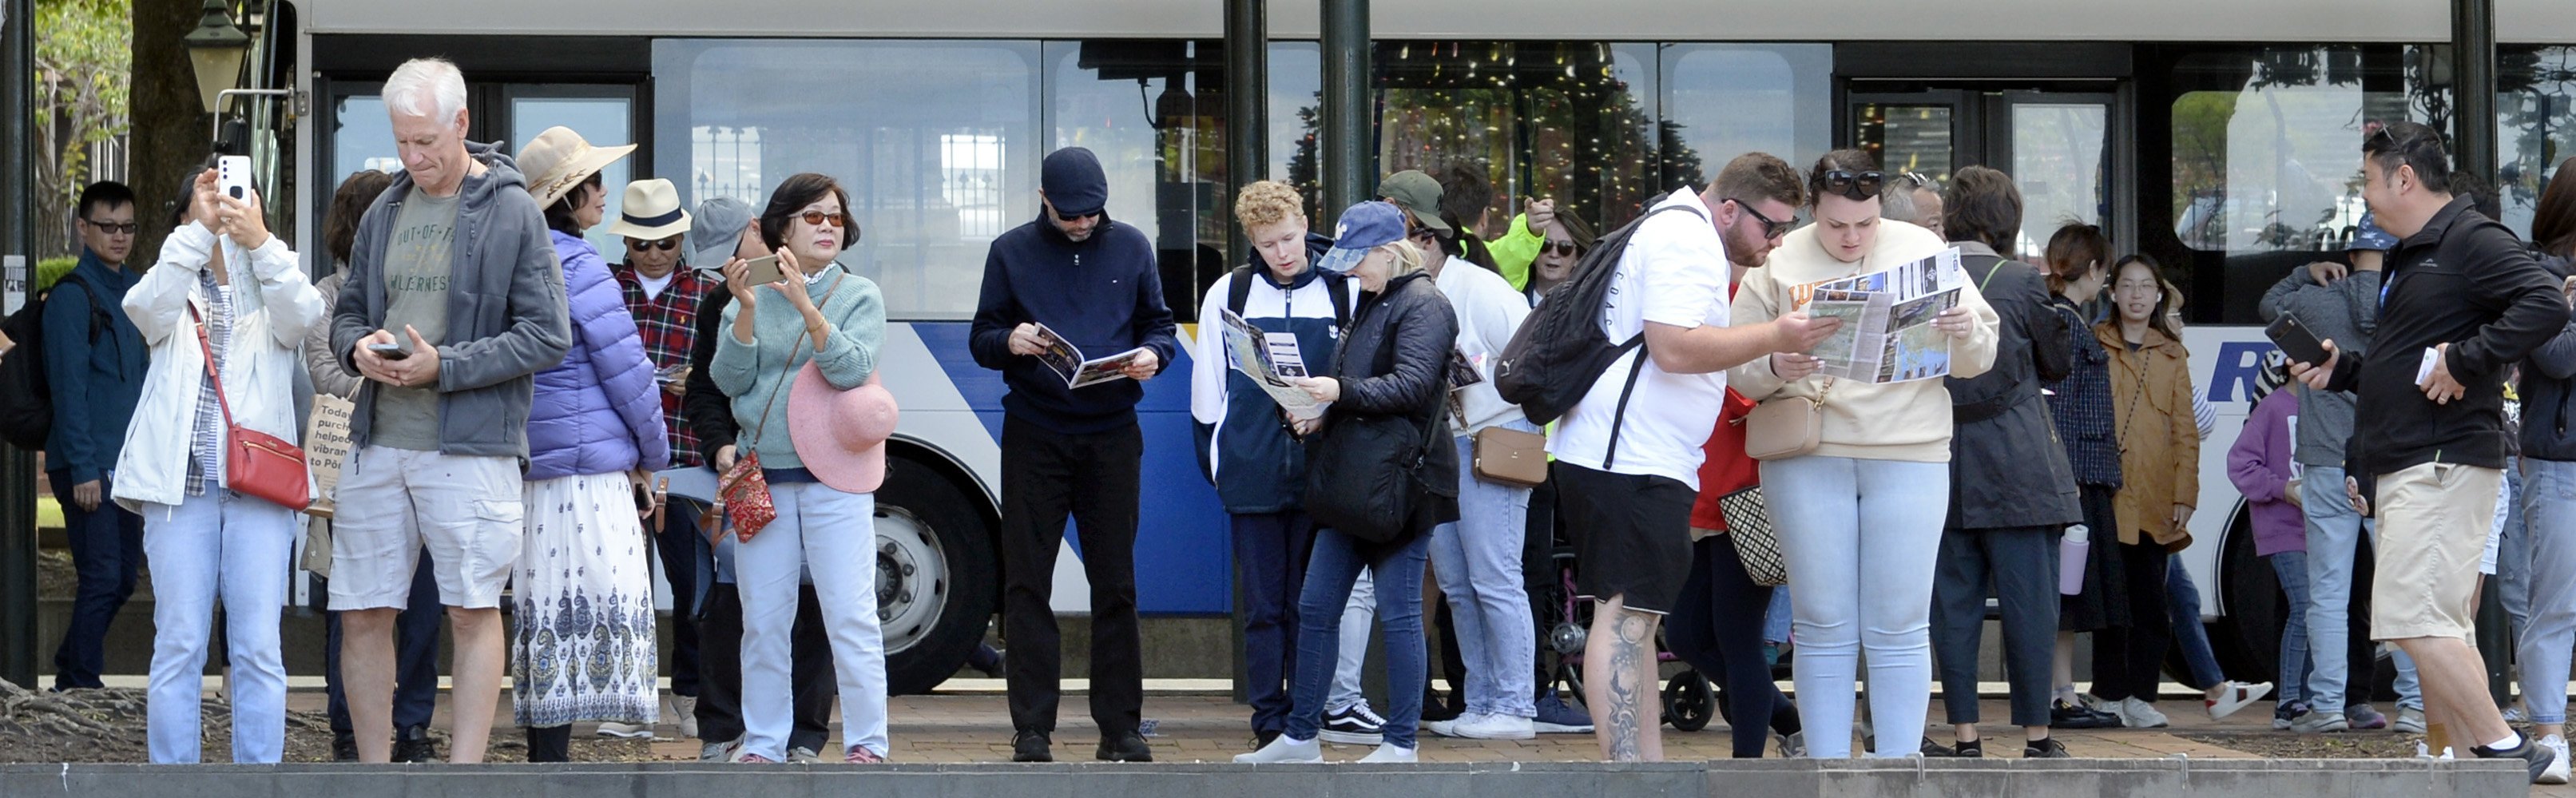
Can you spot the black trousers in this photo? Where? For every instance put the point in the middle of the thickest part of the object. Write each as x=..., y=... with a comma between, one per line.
x=1716, y=626
x=2129, y=662
x=1092, y=478
x=720, y=670
x=1538, y=572
x=549, y=743
x=2018, y=566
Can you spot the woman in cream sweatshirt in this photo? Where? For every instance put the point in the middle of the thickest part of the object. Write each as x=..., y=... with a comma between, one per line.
x=1860, y=517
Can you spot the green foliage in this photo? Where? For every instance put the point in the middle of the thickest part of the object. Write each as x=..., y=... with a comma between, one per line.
x=52, y=269
x=84, y=80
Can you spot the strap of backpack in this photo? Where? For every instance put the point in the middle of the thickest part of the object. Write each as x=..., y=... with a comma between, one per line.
x=1340, y=291
x=1239, y=291
x=1619, y=417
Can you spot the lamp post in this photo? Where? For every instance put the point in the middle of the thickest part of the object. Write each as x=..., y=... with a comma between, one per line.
x=216, y=48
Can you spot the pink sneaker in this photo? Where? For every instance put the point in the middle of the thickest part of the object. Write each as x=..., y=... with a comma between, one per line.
x=860, y=755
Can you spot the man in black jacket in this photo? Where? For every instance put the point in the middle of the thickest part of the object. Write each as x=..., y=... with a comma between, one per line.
x=1070, y=285
x=2463, y=302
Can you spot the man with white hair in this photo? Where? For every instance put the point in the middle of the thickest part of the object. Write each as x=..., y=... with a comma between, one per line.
x=452, y=302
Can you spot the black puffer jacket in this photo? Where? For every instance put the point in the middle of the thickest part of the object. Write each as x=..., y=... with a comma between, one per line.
x=1395, y=361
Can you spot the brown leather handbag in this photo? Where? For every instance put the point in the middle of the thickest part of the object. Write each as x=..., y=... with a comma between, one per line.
x=1511, y=457
x=1786, y=427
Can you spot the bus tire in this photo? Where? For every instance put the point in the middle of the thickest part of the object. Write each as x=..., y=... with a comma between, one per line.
x=2247, y=636
x=935, y=575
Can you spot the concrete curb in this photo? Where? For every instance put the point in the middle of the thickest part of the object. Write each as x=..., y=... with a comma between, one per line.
x=2345, y=778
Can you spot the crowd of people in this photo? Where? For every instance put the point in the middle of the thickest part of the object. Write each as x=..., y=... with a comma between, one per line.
x=514, y=393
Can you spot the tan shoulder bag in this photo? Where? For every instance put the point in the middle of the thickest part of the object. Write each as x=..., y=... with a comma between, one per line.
x=1787, y=427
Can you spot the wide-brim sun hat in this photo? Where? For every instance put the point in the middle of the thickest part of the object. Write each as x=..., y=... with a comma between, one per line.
x=650, y=212
x=559, y=159
x=841, y=434
x=1365, y=226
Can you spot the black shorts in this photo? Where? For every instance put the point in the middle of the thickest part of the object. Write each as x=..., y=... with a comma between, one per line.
x=1631, y=535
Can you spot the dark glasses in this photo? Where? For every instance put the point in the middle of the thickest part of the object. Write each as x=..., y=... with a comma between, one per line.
x=112, y=228
x=1560, y=247
x=1856, y=185
x=665, y=245
x=818, y=218
x=1069, y=219
x=1423, y=234
x=1771, y=229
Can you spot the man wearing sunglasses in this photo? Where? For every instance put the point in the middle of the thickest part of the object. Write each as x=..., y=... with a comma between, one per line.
x=95, y=360
x=1072, y=451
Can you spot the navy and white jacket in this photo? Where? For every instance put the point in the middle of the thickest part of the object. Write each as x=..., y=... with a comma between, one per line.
x=1243, y=442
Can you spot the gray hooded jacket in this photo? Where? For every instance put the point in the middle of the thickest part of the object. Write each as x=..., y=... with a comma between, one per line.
x=505, y=310
x=2347, y=313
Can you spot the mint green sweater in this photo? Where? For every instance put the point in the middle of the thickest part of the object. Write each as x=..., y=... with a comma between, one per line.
x=750, y=372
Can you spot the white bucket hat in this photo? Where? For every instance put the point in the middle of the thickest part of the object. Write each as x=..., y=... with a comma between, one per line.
x=651, y=212
x=560, y=159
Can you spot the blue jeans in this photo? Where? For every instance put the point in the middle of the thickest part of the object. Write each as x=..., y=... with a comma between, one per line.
x=1270, y=552
x=1335, y=564
x=2182, y=605
x=2292, y=569
x=1478, y=562
x=2549, y=504
x=107, y=551
x=231, y=550
x=1862, y=538
x=415, y=658
x=2513, y=554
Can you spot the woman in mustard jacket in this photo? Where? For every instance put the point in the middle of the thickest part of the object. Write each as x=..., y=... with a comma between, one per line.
x=2159, y=467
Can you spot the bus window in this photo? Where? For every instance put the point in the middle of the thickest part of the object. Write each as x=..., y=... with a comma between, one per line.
x=2267, y=146
x=1571, y=121
x=2536, y=125
x=937, y=143
x=1155, y=114
x=1724, y=100
x=604, y=120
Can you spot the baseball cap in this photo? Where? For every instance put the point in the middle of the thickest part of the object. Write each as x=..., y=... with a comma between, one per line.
x=2369, y=237
x=1364, y=227
x=1418, y=195
x=717, y=232
x=1074, y=182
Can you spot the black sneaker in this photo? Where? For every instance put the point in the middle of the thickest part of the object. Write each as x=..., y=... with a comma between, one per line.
x=1125, y=747
x=1261, y=739
x=344, y=747
x=2535, y=756
x=2045, y=748
x=1938, y=751
x=1972, y=749
x=1354, y=725
x=413, y=745
x=1032, y=746
x=2062, y=715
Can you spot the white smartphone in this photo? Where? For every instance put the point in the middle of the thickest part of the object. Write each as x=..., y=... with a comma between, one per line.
x=2424, y=372
x=232, y=176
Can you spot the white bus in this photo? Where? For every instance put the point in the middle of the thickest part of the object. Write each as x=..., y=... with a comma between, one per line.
x=2218, y=136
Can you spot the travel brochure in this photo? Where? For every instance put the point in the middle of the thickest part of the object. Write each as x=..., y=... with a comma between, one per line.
x=1066, y=359
x=1887, y=333
x=1269, y=359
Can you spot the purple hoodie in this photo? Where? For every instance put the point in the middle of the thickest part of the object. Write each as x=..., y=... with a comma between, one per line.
x=2259, y=464
x=600, y=410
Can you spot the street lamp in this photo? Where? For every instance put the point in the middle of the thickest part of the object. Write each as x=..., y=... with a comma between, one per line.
x=216, y=47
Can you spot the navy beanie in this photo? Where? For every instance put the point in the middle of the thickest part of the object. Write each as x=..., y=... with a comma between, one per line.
x=1074, y=183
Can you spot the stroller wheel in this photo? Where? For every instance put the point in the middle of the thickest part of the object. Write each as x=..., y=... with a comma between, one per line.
x=1689, y=701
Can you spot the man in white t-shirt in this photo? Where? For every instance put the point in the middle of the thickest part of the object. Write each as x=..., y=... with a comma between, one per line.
x=1628, y=454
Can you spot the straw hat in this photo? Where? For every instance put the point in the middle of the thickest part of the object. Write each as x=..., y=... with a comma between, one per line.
x=559, y=159
x=651, y=211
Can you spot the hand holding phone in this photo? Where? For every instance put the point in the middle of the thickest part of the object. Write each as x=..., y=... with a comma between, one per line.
x=2296, y=342
x=389, y=351
x=232, y=176
x=762, y=270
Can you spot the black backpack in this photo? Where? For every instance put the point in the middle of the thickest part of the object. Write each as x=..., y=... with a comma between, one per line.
x=26, y=396
x=1560, y=349
x=1240, y=291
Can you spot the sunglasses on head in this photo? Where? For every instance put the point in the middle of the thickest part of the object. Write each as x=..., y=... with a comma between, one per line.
x=818, y=218
x=1560, y=246
x=665, y=245
x=1856, y=185
x=1772, y=229
x=113, y=228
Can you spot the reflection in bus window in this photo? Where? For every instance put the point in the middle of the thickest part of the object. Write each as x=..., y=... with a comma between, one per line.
x=1723, y=100
x=936, y=142
x=2057, y=161
x=602, y=121
x=362, y=138
x=1907, y=137
x=1569, y=121
x=2272, y=161
x=1154, y=112
x=2536, y=124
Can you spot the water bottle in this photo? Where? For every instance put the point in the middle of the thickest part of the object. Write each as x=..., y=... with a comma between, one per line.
x=2071, y=552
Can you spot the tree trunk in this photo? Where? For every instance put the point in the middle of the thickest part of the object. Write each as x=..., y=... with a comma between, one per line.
x=169, y=133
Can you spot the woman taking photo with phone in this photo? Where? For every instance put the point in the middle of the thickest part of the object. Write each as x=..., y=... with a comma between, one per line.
x=583, y=647
x=224, y=313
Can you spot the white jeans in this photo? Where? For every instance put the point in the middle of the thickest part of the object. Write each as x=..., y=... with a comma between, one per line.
x=1862, y=539
x=1356, y=617
x=834, y=534
x=234, y=550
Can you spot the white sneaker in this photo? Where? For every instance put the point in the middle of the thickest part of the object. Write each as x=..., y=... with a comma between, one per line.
x=686, y=709
x=2556, y=773
x=1284, y=749
x=1495, y=726
x=1447, y=728
x=1390, y=752
x=630, y=731
x=2142, y=715
x=2233, y=696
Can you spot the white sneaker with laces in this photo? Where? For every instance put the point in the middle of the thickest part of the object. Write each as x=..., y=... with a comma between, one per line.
x=1284, y=749
x=686, y=709
x=2233, y=696
x=1495, y=726
x=2142, y=715
x=2556, y=773
x=1390, y=752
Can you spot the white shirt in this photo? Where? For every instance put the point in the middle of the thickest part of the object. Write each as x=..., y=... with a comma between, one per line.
x=1674, y=272
x=653, y=285
x=1489, y=311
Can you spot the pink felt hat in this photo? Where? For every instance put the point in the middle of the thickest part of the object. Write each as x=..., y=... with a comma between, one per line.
x=840, y=434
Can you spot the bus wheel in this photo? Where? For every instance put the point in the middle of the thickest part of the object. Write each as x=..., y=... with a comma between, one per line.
x=935, y=572
x=2247, y=639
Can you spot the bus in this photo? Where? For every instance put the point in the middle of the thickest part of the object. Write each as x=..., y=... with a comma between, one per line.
x=2219, y=137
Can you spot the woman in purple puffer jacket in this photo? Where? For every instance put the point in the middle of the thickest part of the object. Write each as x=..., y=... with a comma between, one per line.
x=584, y=647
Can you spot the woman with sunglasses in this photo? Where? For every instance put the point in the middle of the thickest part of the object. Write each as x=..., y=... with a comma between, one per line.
x=1862, y=514
x=583, y=647
x=1566, y=239
x=818, y=312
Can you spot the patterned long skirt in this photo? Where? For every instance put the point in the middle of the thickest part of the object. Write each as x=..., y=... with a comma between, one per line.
x=583, y=647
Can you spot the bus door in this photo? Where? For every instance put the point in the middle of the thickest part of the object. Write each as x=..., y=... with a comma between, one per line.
x=2056, y=145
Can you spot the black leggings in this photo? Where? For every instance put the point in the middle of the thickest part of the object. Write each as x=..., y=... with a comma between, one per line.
x=2129, y=662
x=1716, y=626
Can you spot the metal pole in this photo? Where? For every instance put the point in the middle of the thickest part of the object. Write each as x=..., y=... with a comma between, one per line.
x=18, y=467
x=1346, y=139
x=2473, y=64
x=1247, y=111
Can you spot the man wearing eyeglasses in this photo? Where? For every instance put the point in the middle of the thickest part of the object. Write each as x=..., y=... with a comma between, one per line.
x=94, y=361
x=1072, y=451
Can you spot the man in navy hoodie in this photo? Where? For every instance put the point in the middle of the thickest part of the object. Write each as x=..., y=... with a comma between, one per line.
x=95, y=360
x=1072, y=451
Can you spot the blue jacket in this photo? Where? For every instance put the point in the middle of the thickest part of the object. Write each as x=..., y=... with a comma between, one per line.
x=600, y=410
x=1243, y=444
x=1104, y=294
x=2549, y=388
x=96, y=372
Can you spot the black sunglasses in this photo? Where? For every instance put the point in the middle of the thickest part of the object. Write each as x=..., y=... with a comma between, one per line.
x=1856, y=185
x=1067, y=219
x=1560, y=247
x=1771, y=229
x=112, y=228
x=665, y=245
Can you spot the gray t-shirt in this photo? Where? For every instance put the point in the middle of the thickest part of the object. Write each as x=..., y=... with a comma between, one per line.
x=419, y=257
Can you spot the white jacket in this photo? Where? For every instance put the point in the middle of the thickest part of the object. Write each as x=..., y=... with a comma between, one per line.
x=273, y=306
